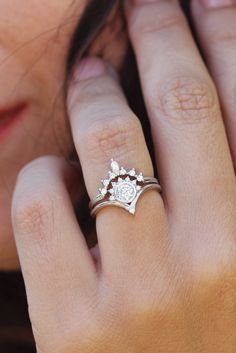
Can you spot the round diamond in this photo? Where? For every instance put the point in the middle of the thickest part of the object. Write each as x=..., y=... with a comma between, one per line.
x=125, y=191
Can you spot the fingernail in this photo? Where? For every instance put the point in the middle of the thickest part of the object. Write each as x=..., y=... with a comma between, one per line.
x=217, y=3
x=89, y=68
x=93, y=67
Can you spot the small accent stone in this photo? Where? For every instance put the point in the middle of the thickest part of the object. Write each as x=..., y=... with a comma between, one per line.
x=138, y=187
x=132, y=172
x=103, y=191
x=115, y=167
x=123, y=171
x=112, y=175
x=140, y=177
x=127, y=178
x=112, y=198
x=105, y=182
x=111, y=191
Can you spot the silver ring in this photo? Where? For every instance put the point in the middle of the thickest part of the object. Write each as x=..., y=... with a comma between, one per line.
x=123, y=189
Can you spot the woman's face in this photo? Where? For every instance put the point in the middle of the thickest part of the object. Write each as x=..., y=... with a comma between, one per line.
x=34, y=41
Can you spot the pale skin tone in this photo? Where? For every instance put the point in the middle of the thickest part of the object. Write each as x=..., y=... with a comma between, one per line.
x=33, y=58
x=162, y=280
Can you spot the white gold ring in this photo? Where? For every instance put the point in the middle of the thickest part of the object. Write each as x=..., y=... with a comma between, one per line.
x=122, y=189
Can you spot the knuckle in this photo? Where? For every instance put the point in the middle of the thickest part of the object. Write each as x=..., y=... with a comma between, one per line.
x=226, y=38
x=31, y=214
x=145, y=22
x=87, y=95
x=117, y=134
x=219, y=34
x=186, y=101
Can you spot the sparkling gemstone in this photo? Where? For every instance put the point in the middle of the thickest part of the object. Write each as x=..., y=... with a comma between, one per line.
x=115, y=167
x=103, y=191
x=112, y=175
x=132, y=172
x=125, y=191
x=140, y=177
x=105, y=182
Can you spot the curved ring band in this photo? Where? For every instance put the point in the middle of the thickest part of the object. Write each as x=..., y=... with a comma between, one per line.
x=122, y=189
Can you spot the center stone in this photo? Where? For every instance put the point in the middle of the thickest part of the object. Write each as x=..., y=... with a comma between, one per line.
x=125, y=192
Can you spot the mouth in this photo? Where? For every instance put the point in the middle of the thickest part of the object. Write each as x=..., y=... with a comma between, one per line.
x=9, y=117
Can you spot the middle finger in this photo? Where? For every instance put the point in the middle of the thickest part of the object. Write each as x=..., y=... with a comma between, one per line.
x=191, y=145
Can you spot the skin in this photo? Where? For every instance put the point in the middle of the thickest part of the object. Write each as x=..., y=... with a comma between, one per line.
x=164, y=279
x=33, y=55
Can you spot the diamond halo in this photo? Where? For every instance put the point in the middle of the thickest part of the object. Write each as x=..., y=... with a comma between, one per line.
x=122, y=188
x=122, y=185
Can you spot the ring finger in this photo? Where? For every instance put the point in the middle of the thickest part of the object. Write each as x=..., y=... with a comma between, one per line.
x=103, y=128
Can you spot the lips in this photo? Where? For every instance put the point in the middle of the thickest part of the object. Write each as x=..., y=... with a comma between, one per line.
x=9, y=116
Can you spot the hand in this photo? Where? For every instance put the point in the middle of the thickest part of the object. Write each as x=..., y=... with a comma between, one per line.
x=165, y=279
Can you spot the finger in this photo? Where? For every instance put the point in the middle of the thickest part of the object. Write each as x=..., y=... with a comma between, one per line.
x=104, y=128
x=55, y=260
x=191, y=145
x=216, y=28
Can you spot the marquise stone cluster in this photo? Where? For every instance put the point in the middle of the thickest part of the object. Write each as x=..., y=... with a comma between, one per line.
x=122, y=185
